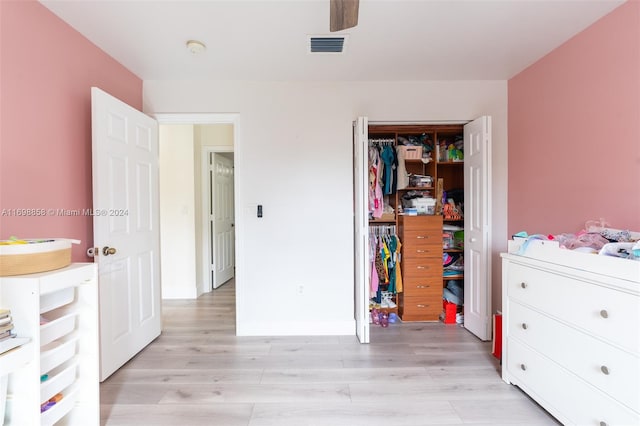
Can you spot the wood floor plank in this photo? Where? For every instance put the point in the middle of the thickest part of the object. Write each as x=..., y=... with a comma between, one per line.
x=261, y=393
x=186, y=376
x=355, y=414
x=345, y=375
x=172, y=415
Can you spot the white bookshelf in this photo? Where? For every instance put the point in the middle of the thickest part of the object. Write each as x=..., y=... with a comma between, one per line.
x=64, y=346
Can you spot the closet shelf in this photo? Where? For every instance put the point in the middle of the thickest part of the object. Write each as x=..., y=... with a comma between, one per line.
x=417, y=188
x=453, y=277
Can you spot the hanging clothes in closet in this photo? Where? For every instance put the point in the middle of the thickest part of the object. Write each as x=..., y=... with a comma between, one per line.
x=384, y=261
x=383, y=165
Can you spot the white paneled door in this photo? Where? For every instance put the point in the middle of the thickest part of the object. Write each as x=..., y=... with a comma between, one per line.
x=125, y=228
x=221, y=217
x=477, y=231
x=361, y=226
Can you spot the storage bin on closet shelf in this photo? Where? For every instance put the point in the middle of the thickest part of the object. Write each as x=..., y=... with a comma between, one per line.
x=423, y=205
x=411, y=152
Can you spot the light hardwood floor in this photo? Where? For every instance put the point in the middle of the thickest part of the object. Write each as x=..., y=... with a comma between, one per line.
x=199, y=373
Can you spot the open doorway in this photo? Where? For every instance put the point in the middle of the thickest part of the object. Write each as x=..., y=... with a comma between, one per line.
x=188, y=144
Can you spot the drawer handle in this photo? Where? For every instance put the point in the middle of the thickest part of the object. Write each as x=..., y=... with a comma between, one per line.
x=422, y=267
x=604, y=313
x=422, y=306
x=422, y=251
x=423, y=286
x=524, y=325
x=605, y=370
x=523, y=367
x=523, y=285
x=422, y=237
x=603, y=423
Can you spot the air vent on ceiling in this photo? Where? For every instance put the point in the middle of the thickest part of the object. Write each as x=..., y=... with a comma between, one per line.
x=327, y=44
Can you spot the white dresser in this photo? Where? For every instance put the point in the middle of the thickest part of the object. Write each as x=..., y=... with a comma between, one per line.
x=571, y=333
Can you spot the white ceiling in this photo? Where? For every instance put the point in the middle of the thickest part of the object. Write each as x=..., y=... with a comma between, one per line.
x=267, y=39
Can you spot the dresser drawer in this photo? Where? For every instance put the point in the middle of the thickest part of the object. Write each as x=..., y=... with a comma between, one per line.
x=610, y=369
x=70, y=276
x=606, y=313
x=422, y=243
x=422, y=308
x=422, y=249
x=430, y=224
x=427, y=268
x=572, y=400
x=422, y=287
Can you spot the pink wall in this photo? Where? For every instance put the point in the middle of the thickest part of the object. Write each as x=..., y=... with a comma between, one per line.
x=47, y=71
x=574, y=131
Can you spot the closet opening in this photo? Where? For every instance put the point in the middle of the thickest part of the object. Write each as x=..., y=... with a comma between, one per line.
x=423, y=221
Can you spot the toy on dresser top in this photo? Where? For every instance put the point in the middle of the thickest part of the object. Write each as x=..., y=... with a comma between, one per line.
x=624, y=244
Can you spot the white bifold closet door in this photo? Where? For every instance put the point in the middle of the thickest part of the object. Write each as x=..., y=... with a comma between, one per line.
x=361, y=227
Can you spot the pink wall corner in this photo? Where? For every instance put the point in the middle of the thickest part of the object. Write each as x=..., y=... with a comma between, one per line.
x=45, y=133
x=574, y=131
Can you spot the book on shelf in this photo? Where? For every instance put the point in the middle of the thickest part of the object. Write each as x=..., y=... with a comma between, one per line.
x=6, y=327
x=6, y=335
x=5, y=320
x=12, y=343
x=4, y=313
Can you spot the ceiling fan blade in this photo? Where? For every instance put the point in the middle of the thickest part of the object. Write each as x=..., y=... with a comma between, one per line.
x=343, y=14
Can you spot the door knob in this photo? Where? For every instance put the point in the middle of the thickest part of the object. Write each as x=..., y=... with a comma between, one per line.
x=108, y=250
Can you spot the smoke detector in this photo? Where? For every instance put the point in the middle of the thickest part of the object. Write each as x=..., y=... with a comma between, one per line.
x=196, y=47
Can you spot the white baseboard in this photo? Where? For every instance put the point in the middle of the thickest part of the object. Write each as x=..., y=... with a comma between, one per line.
x=179, y=293
x=296, y=328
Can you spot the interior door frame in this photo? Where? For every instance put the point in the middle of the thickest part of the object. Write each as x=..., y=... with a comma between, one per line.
x=219, y=118
x=206, y=195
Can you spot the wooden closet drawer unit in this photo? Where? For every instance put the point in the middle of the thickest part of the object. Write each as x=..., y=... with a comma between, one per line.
x=420, y=308
x=566, y=396
x=604, y=312
x=421, y=238
x=612, y=370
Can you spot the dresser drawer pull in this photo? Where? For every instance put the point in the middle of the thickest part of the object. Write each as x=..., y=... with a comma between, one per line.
x=605, y=370
x=604, y=313
x=422, y=267
x=523, y=285
x=421, y=306
x=603, y=423
x=422, y=237
x=524, y=325
x=423, y=286
x=523, y=367
x=422, y=251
